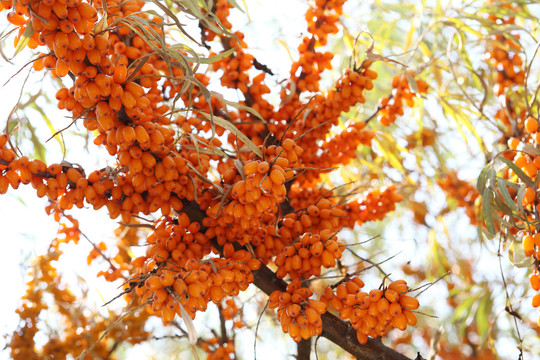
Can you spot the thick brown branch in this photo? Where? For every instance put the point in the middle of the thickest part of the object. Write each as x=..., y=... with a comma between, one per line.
x=303, y=350
x=257, y=65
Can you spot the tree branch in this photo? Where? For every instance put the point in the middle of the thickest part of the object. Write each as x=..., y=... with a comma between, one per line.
x=303, y=349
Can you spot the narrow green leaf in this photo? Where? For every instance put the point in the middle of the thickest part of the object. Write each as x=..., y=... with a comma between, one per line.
x=505, y=194
x=204, y=178
x=208, y=151
x=239, y=106
x=390, y=151
x=25, y=38
x=481, y=182
x=482, y=316
x=463, y=310
x=501, y=206
x=487, y=198
x=235, y=4
x=527, y=180
x=519, y=198
x=51, y=127
x=212, y=59
x=233, y=129
x=517, y=257
x=529, y=149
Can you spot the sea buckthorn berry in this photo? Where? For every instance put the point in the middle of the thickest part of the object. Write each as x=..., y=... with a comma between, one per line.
x=531, y=125
x=408, y=302
x=399, y=286
x=529, y=196
x=536, y=300
x=120, y=74
x=528, y=245
x=513, y=143
x=371, y=318
x=153, y=283
x=87, y=11
x=391, y=295
x=534, y=280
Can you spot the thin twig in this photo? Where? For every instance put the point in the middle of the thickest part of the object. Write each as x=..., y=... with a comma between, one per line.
x=257, y=329
x=428, y=285
x=509, y=307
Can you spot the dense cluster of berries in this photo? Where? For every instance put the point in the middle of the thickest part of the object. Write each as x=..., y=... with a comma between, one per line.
x=254, y=194
x=126, y=113
x=170, y=276
x=299, y=316
x=375, y=205
x=392, y=106
x=304, y=258
x=68, y=186
x=324, y=112
x=215, y=228
x=321, y=18
x=503, y=53
x=375, y=313
x=341, y=148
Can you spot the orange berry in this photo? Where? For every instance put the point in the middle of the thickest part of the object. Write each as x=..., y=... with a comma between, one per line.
x=312, y=316
x=166, y=279
x=529, y=196
x=400, y=322
x=277, y=177
x=513, y=143
x=399, y=286
x=375, y=295
x=394, y=309
x=318, y=306
x=531, y=125
x=534, y=280
x=120, y=74
x=410, y=302
x=153, y=282
x=250, y=168
x=536, y=300
x=528, y=245
x=160, y=295
x=382, y=305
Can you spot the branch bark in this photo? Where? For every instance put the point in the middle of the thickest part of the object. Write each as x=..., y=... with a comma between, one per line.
x=303, y=350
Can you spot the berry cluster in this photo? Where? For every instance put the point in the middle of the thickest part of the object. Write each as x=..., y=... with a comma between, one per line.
x=375, y=313
x=392, y=106
x=305, y=257
x=299, y=316
x=503, y=53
